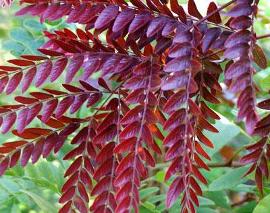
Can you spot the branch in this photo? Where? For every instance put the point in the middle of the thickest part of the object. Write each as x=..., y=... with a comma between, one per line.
x=247, y=198
x=226, y=164
x=263, y=36
x=215, y=11
x=230, y=162
x=213, y=53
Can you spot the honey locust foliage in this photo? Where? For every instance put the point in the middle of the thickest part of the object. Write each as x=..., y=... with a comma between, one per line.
x=159, y=70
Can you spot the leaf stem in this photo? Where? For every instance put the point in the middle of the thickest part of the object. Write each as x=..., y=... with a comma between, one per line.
x=230, y=162
x=247, y=198
x=263, y=36
x=226, y=164
x=213, y=54
x=215, y=11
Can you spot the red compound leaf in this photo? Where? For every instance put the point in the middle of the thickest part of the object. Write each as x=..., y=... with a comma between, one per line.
x=257, y=156
x=237, y=46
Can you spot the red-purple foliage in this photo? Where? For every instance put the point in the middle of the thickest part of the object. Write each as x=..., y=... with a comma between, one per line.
x=159, y=69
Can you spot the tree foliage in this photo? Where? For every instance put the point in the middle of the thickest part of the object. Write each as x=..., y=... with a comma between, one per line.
x=149, y=74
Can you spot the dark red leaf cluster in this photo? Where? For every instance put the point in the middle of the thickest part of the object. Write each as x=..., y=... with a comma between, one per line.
x=239, y=48
x=37, y=142
x=258, y=154
x=46, y=104
x=188, y=117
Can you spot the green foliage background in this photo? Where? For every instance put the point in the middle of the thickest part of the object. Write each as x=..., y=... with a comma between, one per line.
x=36, y=188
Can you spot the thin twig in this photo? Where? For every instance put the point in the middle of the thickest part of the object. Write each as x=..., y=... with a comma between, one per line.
x=213, y=53
x=248, y=197
x=215, y=11
x=226, y=164
x=263, y=36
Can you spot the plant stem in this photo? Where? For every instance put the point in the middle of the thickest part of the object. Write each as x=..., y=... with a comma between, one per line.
x=226, y=164
x=263, y=36
x=213, y=53
x=230, y=162
x=211, y=165
x=248, y=197
x=215, y=11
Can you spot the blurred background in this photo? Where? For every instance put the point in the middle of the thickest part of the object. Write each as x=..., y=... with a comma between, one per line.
x=36, y=188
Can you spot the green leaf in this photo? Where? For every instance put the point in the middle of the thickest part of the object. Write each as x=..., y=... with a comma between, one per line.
x=205, y=201
x=43, y=204
x=15, y=209
x=219, y=197
x=147, y=207
x=10, y=189
x=2, y=32
x=227, y=131
x=33, y=25
x=160, y=175
x=144, y=193
x=45, y=174
x=244, y=188
x=13, y=46
x=53, y=23
x=262, y=79
x=263, y=206
x=206, y=210
x=11, y=186
x=248, y=207
x=21, y=35
x=10, y=206
x=157, y=198
x=35, y=45
x=228, y=180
